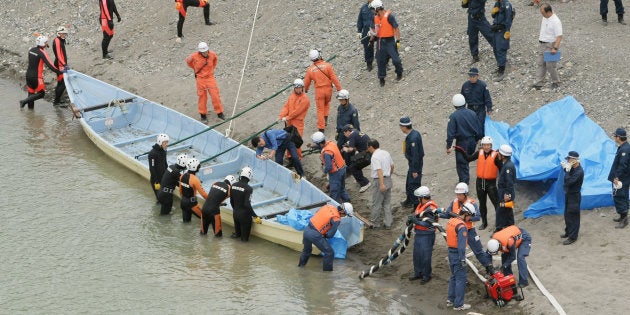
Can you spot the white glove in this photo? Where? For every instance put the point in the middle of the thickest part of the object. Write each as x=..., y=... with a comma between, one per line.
x=359, y=36
x=566, y=166
x=284, y=119
x=371, y=33
x=617, y=185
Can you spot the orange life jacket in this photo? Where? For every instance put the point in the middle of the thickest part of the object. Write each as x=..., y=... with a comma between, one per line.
x=321, y=220
x=382, y=26
x=508, y=236
x=337, y=160
x=457, y=208
x=486, y=168
x=451, y=231
x=420, y=209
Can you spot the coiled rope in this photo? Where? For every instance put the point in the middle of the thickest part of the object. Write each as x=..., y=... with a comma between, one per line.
x=393, y=252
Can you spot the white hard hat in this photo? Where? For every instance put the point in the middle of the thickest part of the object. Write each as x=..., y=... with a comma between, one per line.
x=375, y=4
x=298, y=83
x=247, y=172
x=486, y=140
x=202, y=47
x=62, y=30
x=343, y=95
x=461, y=188
x=313, y=54
x=182, y=159
x=318, y=137
x=459, y=100
x=422, y=191
x=505, y=150
x=161, y=138
x=41, y=40
x=347, y=207
x=493, y=246
x=193, y=165
x=230, y=179
x=467, y=208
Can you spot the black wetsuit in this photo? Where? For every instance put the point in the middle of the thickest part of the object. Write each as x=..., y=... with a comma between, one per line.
x=106, y=19
x=61, y=60
x=169, y=181
x=211, y=210
x=182, y=18
x=37, y=57
x=157, y=166
x=240, y=200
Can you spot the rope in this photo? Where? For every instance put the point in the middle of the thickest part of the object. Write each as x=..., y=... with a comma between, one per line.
x=392, y=253
x=240, y=143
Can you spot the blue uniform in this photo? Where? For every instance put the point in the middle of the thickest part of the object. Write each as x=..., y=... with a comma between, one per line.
x=346, y=115
x=519, y=253
x=277, y=139
x=456, y=259
x=365, y=22
x=313, y=237
x=505, y=186
x=621, y=170
x=463, y=127
x=478, y=100
x=477, y=23
x=603, y=7
x=336, y=180
x=423, y=246
x=474, y=241
x=502, y=23
x=357, y=140
x=572, y=199
x=414, y=153
x=386, y=49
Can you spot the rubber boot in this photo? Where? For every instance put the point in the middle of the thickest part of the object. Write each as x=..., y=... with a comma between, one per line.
x=620, y=19
x=203, y=118
x=623, y=222
x=369, y=66
x=500, y=74
x=475, y=59
x=381, y=81
x=604, y=19
x=30, y=100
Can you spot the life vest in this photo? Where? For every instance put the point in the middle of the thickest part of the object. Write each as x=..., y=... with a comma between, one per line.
x=321, y=220
x=187, y=190
x=457, y=208
x=451, y=231
x=507, y=236
x=418, y=213
x=382, y=26
x=486, y=169
x=337, y=160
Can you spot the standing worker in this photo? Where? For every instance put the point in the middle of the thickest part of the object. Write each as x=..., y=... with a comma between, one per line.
x=157, y=162
x=505, y=189
x=382, y=169
x=295, y=110
x=203, y=62
x=108, y=8
x=346, y=114
x=603, y=10
x=501, y=25
x=572, y=197
x=414, y=153
x=322, y=226
x=279, y=142
x=169, y=181
x=463, y=127
x=387, y=36
x=477, y=97
x=37, y=57
x=356, y=146
x=241, y=201
x=620, y=177
x=189, y=187
x=182, y=7
x=211, y=210
x=61, y=61
x=333, y=165
x=549, y=38
x=324, y=77
x=424, y=238
x=365, y=22
x=456, y=236
x=513, y=243
x=477, y=23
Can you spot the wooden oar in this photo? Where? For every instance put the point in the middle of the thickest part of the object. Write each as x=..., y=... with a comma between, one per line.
x=363, y=219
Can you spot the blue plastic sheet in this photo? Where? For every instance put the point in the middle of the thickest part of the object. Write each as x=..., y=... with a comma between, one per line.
x=543, y=139
x=298, y=219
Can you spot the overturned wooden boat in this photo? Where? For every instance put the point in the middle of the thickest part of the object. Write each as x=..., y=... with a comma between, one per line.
x=125, y=125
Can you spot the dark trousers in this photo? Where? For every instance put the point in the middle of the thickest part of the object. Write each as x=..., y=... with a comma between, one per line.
x=411, y=184
x=603, y=7
x=480, y=110
x=487, y=188
x=505, y=217
x=312, y=237
x=572, y=215
x=59, y=89
x=166, y=201
x=180, y=21
x=521, y=252
x=620, y=198
x=287, y=144
x=357, y=173
x=501, y=46
x=422, y=253
x=474, y=242
x=337, y=182
x=368, y=50
x=242, y=226
x=461, y=163
x=476, y=26
x=214, y=218
x=32, y=97
x=105, y=43
x=386, y=48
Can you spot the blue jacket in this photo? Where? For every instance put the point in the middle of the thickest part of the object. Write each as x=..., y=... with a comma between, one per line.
x=414, y=151
x=477, y=94
x=505, y=182
x=347, y=115
x=573, y=180
x=477, y=7
x=621, y=165
x=273, y=139
x=358, y=140
x=462, y=125
x=365, y=21
x=504, y=16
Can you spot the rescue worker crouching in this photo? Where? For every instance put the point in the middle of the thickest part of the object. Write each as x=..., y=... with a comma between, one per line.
x=169, y=181
x=219, y=191
x=424, y=239
x=513, y=243
x=356, y=155
x=322, y=226
x=456, y=236
x=189, y=187
x=241, y=201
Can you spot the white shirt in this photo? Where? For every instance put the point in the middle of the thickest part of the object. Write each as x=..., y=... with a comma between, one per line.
x=550, y=28
x=381, y=160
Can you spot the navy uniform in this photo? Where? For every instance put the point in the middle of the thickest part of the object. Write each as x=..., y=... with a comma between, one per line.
x=501, y=25
x=346, y=114
x=357, y=143
x=365, y=22
x=477, y=97
x=414, y=153
x=620, y=171
x=463, y=127
x=572, y=198
x=477, y=23
x=505, y=187
x=387, y=39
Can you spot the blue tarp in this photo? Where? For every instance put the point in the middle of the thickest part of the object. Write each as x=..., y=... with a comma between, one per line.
x=298, y=219
x=543, y=139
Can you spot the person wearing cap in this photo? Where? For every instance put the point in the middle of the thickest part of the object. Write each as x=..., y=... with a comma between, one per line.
x=477, y=96
x=157, y=162
x=477, y=23
x=346, y=114
x=424, y=238
x=501, y=24
x=365, y=22
x=61, y=61
x=321, y=227
x=386, y=34
x=278, y=142
x=203, y=62
x=414, y=153
x=549, y=38
x=333, y=165
x=182, y=7
x=620, y=176
x=382, y=168
x=505, y=189
x=295, y=109
x=37, y=58
x=572, y=196
x=323, y=76
x=355, y=154
x=463, y=127
x=456, y=238
x=108, y=9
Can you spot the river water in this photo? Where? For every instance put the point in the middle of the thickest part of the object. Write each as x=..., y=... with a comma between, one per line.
x=80, y=233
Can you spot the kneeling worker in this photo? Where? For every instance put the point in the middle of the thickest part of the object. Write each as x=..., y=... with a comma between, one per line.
x=322, y=226
x=514, y=243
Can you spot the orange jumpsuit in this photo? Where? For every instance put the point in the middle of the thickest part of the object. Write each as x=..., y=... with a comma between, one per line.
x=323, y=74
x=206, y=83
x=295, y=110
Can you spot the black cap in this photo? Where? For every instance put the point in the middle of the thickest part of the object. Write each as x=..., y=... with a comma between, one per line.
x=405, y=121
x=473, y=71
x=620, y=132
x=572, y=155
x=348, y=127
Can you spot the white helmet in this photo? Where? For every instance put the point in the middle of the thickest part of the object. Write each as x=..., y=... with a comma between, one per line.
x=182, y=159
x=161, y=138
x=247, y=172
x=486, y=140
x=62, y=30
x=298, y=83
x=505, y=150
x=493, y=246
x=459, y=100
x=375, y=4
x=41, y=40
x=230, y=179
x=422, y=191
x=202, y=47
x=318, y=137
x=193, y=165
x=348, y=208
x=467, y=208
x=314, y=54
x=461, y=188
x=343, y=95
